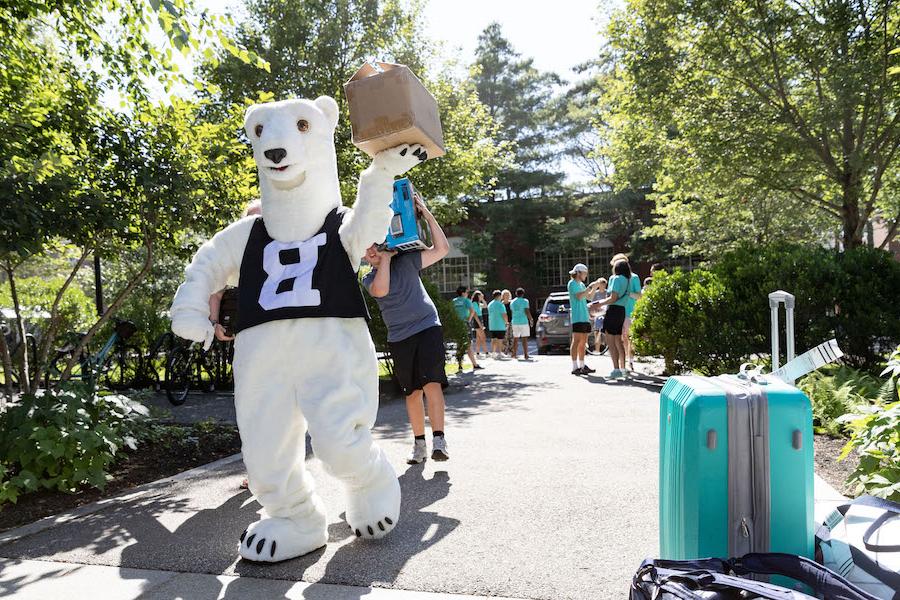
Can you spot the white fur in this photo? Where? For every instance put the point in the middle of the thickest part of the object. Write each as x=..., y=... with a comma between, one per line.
x=319, y=373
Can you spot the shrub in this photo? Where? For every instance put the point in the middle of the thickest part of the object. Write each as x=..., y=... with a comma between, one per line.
x=684, y=316
x=36, y=294
x=832, y=397
x=64, y=439
x=850, y=296
x=876, y=437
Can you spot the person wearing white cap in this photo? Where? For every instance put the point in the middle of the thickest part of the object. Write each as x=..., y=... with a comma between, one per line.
x=581, y=320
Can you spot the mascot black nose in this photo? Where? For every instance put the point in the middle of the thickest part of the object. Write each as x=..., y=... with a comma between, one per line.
x=275, y=154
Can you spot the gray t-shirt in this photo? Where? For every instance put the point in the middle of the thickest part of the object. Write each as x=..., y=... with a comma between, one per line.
x=406, y=308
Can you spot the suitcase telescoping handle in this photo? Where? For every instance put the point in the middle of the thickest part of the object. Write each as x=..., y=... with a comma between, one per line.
x=776, y=298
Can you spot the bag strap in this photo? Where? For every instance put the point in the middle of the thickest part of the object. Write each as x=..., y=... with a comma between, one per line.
x=820, y=579
x=872, y=501
x=891, y=511
x=706, y=580
x=867, y=536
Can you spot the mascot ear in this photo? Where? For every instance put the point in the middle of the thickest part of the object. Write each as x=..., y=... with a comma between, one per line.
x=329, y=107
x=250, y=110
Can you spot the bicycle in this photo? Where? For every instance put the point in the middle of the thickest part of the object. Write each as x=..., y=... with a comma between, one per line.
x=116, y=365
x=187, y=363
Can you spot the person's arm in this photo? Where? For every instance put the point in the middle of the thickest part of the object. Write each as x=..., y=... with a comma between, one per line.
x=475, y=315
x=528, y=314
x=441, y=246
x=215, y=301
x=588, y=291
x=636, y=295
x=381, y=283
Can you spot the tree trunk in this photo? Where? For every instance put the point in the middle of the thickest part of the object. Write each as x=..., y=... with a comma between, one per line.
x=24, y=380
x=853, y=227
x=7, y=372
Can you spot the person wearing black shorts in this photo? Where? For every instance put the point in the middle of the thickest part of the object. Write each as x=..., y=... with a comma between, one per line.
x=614, y=321
x=415, y=336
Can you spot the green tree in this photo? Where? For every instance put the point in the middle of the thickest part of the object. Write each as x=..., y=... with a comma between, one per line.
x=71, y=169
x=315, y=46
x=520, y=98
x=789, y=99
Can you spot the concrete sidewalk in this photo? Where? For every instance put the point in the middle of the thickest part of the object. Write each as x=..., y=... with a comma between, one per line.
x=550, y=493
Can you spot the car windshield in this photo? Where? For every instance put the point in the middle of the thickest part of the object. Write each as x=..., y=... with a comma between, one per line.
x=558, y=306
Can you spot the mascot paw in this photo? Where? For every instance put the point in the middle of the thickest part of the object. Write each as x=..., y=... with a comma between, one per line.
x=196, y=330
x=276, y=539
x=373, y=511
x=399, y=159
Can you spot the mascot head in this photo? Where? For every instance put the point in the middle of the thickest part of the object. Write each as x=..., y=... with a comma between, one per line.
x=292, y=139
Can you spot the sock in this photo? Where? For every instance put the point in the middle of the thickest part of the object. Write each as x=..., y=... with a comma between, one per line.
x=437, y=434
x=575, y=365
x=420, y=437
x=580, y=363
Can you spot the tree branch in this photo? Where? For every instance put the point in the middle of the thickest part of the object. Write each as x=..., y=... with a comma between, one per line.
x=50, y=335
x=120, y=298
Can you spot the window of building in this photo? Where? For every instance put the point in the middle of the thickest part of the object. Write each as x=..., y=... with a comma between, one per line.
x=553, y=268
x=449, y=273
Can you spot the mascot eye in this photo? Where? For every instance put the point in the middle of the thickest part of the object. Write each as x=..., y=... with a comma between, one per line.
x=303, y=125
x=258, y=130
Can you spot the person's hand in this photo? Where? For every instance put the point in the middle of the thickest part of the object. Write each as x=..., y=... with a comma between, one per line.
x=221, y=335
x=385, y=254
x=194, y=329
x=421, y=209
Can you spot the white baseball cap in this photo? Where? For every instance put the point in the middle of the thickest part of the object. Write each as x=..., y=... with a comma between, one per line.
x=579, y=268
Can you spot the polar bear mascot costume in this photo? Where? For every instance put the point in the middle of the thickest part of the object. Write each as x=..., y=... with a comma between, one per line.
x=303, y=356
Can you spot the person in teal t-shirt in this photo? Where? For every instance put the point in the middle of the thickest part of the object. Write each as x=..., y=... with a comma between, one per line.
x=497, y=322
x=465, y=310
x=581, y=319
x=614, y=321
x=521, y=322
x=632, y=294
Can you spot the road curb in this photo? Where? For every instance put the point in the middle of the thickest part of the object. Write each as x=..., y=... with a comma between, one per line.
x=135, y=492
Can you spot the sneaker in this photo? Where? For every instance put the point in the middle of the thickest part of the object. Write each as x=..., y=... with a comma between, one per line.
x=419, y=453
x=577, y=371
x=477, y=368
x=615, y=374
x=586, y=369
x=439, y=449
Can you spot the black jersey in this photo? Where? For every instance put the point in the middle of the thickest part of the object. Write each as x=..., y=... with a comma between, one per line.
x=292, y=280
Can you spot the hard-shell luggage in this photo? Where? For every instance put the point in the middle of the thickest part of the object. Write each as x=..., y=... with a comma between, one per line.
x=735, y=467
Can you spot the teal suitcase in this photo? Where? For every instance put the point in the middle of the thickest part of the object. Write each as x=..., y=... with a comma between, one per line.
x=735, y=468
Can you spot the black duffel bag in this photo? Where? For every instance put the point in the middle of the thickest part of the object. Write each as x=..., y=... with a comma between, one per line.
x=739, y=579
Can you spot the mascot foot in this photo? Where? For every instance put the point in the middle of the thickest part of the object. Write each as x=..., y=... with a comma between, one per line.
x=276, y=539
x=374, y=510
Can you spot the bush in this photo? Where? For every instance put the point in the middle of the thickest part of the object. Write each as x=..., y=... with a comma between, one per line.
x=876, y=437
x=850, y=296
x=64, y=439
x=684, y=317
x=36, y=294
x=835, y=393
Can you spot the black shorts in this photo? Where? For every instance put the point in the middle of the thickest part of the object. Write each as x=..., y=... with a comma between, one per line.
x=614, y=320
x=498, y=334
x=581, y=327
x=419, y=359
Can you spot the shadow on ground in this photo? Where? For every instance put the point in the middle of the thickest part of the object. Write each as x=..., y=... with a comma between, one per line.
x=156, y=532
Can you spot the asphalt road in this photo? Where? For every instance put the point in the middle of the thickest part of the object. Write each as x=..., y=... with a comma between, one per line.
x=550, y=493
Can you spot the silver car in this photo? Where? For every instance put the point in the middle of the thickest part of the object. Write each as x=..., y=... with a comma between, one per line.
x=554, y=324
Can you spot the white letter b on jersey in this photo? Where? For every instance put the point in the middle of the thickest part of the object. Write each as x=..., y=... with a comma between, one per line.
x=289, y=266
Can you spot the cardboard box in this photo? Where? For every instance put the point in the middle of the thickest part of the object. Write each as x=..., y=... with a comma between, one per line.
x=389, y=106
